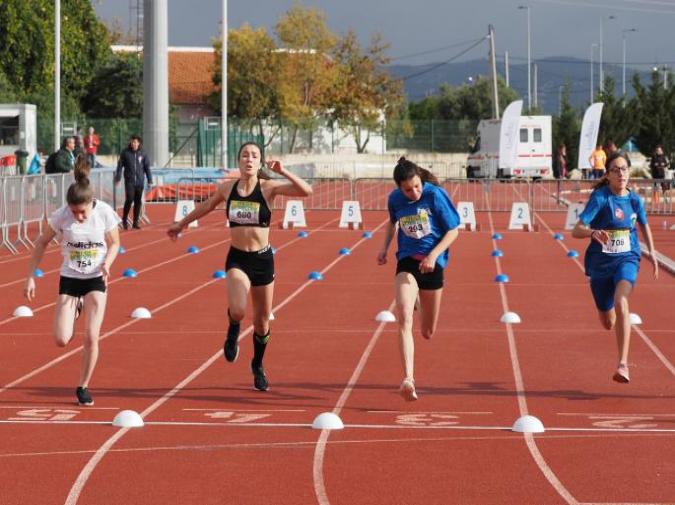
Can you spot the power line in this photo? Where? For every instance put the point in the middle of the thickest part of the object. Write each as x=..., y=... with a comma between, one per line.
x=434, y=67
x=429, y=51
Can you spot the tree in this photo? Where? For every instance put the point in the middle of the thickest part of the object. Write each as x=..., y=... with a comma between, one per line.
x=27, y=39
x=364, y=93
x=116, y=89
x=567, y=127
x=617, y=123
x=252, y=77
x=307, y=73
x=653, y=115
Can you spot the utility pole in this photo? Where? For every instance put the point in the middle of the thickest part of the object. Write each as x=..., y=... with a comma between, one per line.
x=535, y=71
x=57, y=74
x=223, y=92
x=493, y=71
x=506, y=68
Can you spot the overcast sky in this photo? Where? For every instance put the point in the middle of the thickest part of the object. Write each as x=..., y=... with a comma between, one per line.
x=559, y=27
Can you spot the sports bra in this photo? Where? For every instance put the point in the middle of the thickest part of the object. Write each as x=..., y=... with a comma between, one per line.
x=251, y=210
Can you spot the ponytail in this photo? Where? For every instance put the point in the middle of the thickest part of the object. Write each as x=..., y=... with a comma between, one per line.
x=80, y=191
x=406, y=170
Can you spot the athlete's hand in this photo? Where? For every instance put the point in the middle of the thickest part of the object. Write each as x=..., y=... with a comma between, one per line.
x=382, y=258
x=428, y=264
x=600, y=236
x=275, y=166
x=105, y=273
x=174, y=231
x=655, y=263
x=29, y=289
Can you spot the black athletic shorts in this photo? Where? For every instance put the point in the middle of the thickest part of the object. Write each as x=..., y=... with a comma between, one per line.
x=257, y=265
x=80, y=287
x=431, y=280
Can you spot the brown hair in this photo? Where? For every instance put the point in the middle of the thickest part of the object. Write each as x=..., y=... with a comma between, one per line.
x=406, y=170
x=604, y=181
x=80, y=191
x=261, y=172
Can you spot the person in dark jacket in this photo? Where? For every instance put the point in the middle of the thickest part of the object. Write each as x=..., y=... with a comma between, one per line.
x=658, y=166
x=136, y=167
x=65, y=157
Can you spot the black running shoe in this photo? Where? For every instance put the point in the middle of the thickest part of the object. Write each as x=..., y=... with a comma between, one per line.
x=231, y=346
x=260, y=381
x=78, y=308
x=83, y=397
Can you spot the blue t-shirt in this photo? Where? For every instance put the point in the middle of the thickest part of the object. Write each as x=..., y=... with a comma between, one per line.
x=422, y=224
x=617, y=215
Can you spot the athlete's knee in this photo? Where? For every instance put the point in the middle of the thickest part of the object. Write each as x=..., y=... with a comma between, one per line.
x=608, y=319
x=428, y=332
x=61, y=338
x=236, y=313
x=261, y=324
x=90, y=339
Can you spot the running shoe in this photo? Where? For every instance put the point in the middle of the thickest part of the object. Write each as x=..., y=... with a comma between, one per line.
x=83, y=397
x=260, y=381
x=231, y=345
x=407, y=390
x=621, y=374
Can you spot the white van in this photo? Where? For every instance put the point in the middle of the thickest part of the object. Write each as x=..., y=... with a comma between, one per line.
x=534, y=149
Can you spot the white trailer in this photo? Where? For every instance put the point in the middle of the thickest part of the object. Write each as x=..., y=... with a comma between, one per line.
x=534, y=151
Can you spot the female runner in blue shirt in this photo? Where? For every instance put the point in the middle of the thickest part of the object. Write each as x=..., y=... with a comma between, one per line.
x=427, y=225
x=613, y=256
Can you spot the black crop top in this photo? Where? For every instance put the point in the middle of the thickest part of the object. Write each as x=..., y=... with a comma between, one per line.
x=251, y=210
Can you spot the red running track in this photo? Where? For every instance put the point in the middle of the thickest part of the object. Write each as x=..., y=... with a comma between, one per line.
x=209, y=438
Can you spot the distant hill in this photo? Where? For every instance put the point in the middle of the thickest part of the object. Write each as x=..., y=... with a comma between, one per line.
x=553, y=73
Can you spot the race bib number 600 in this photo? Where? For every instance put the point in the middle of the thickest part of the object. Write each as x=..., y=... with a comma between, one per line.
x=619, y=242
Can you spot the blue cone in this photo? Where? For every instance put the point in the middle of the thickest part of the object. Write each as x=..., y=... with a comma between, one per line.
x=315, y=276
x=367, y=234
x=497, y=253
x=502, y=278
x=129, y=272
x=122, y=250
x=572, y=253
x=193, y=249
x=496, y=236
x=219, y=274
x=38, y=273
x=303, y=234
x=344, y=251
x=558, y=236
x=274, y=251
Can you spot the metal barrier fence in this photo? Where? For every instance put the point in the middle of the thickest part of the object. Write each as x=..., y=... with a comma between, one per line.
x=27, y=200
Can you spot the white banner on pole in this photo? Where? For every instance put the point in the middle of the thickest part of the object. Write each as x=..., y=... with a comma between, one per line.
x=588, y=138
x=509, y=136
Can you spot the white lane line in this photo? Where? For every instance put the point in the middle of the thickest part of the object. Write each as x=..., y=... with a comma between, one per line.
x=82, y=478
x=520, y=389
x=245, y=410
x=319, y=452
x=652, y=346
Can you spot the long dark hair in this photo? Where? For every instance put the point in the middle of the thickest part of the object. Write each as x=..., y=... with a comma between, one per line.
x=80, y=191
x=261, y=172
x=604, y=181
x=406, y=170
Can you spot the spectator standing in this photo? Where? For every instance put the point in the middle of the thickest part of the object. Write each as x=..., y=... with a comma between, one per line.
x=136, y=166
x=598, y=159
x=64, y=161
x=91, y=143
x=560, y=163
x=659, y=165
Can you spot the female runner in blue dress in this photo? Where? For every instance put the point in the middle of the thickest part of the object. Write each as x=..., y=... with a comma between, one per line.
x=427, y=226
x=612, y=258
x=87, y=230
x=250, y=261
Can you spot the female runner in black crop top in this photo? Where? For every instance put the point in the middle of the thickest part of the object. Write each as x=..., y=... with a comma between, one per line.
x=250, y=263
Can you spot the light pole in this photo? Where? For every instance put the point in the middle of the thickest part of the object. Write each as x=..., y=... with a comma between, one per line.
x=623, y=40
x=593, y=46
x=602, y=51
x=529, y=56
